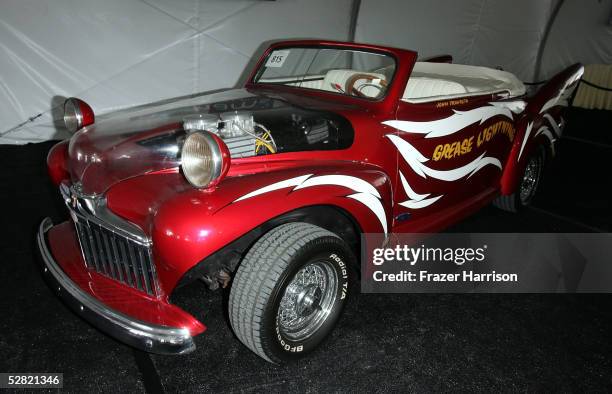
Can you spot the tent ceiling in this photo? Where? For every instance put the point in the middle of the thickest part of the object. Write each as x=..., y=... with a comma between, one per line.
x=116, y=54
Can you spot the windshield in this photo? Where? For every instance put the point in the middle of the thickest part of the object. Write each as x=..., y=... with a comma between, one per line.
x=344, y=71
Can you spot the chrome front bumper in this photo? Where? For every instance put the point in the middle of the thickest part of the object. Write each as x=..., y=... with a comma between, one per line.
x=145, y=336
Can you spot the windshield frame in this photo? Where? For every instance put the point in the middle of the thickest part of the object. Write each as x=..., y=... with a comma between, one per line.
x=260, y=68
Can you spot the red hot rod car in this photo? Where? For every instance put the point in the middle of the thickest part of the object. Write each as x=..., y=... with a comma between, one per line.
x=267, y=188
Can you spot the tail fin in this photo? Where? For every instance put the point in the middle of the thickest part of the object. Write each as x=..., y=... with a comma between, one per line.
x=543, y=109
x=556, y=92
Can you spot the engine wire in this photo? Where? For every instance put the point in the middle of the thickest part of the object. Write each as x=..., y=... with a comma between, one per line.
x=261, y=141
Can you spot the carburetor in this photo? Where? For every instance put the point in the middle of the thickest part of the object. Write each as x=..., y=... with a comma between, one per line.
x=236, y=129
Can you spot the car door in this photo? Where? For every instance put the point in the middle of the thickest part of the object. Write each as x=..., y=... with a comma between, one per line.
x=451, y=157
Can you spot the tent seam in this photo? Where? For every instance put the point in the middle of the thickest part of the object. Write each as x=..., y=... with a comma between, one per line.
x=482, y=5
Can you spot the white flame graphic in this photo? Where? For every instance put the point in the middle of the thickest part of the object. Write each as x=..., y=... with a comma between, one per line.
x=366, y=194
x=459, y=120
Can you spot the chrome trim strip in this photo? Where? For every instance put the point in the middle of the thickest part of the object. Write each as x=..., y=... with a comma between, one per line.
x=78, y=115
x=145, y=336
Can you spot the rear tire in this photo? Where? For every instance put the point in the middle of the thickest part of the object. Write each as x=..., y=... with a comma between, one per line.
x=527, y=188
x=289, y=291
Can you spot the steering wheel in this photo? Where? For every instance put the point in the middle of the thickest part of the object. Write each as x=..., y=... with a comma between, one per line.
x=350, y=84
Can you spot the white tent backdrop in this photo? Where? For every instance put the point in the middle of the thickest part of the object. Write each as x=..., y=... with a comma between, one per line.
x=117, y=53
x=497, y=33
x=582, y=32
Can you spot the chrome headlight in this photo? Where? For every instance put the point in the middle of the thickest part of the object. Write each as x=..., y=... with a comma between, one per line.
x=202, y=159
x=77, y=114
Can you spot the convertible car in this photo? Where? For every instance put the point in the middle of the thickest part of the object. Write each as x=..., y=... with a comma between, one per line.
x=265, y=190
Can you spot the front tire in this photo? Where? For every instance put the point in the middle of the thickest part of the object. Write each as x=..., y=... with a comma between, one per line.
x=289, y=291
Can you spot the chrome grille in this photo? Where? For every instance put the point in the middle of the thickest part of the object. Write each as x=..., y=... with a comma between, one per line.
x=116, y=256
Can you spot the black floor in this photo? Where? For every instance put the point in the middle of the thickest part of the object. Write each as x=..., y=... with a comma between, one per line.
x=383, y=342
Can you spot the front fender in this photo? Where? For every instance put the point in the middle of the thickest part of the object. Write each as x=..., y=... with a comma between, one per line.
x=194, y=224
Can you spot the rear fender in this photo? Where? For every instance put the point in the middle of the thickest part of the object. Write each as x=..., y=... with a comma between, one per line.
x=558, y=91
x=529, y=135
x=541, y=125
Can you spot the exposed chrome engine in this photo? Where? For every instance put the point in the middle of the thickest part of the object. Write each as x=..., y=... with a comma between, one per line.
x=237, y=129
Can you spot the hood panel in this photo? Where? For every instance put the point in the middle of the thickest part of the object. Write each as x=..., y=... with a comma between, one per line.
x=146, y=139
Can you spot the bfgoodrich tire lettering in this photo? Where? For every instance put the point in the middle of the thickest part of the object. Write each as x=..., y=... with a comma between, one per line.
x=295, y=264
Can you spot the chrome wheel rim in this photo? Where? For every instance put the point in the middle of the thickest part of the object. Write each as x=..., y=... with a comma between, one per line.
x=530, y=180
x=308, y=300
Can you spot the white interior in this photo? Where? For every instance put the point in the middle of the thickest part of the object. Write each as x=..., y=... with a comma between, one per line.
x=340, y=77
x=337, y=77
x=437, y=81
x=428, y=82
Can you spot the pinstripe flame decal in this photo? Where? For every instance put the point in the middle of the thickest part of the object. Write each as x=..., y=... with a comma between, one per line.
x=562, y=98
x=365, y=193
x=416, y=161
x=458, y=120
x=416, y=201
x=525, y=138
